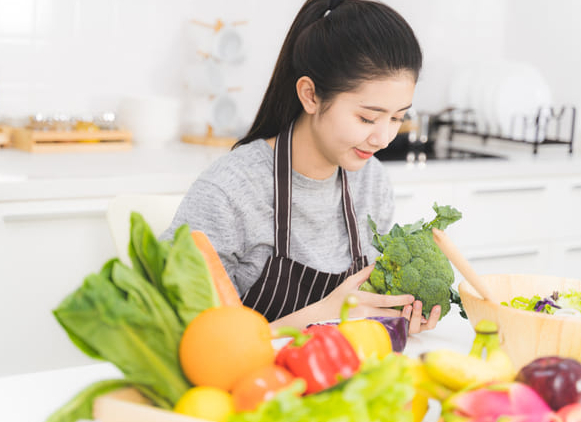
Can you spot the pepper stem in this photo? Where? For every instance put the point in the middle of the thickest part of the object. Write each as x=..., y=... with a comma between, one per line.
x=299, y=338
x=350, y=302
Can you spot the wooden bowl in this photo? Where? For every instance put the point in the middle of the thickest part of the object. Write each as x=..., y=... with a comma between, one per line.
x=525, y=335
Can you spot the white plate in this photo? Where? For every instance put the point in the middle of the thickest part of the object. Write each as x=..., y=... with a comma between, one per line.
x=520, y=93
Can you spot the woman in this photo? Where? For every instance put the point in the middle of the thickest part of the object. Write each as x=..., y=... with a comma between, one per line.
x=343, y=81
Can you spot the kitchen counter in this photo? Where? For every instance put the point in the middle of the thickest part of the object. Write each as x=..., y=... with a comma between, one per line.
x=26, y=176
x=32, y=397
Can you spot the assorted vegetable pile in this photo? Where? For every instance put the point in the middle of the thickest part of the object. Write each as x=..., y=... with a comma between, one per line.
x=565, y=303
x=411, y=262
x=176, y=328
x=174, y=325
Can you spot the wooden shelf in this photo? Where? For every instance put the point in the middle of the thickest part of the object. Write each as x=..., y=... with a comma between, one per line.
x=215, y=141
x=5, y=132
x=71, y=141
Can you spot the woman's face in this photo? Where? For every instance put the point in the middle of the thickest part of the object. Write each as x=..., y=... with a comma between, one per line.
x=359, y=123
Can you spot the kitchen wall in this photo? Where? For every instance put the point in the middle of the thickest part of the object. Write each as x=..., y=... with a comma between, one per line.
x=77, y=56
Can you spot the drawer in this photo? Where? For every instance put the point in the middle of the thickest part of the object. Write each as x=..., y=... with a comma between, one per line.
x=519, y=259
x=503, y=213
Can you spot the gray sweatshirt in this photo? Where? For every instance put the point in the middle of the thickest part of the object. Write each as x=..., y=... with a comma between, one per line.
x=232, y=202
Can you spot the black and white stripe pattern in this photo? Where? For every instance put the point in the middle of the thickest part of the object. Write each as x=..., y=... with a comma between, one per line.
x=286, y=285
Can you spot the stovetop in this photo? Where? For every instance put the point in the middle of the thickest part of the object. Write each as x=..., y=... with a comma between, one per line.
x=402, y=150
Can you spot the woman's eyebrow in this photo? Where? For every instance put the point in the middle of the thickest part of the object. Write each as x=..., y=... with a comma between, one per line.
x=382, y=110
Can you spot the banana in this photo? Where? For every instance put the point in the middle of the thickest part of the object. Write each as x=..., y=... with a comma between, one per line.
x=457, y=371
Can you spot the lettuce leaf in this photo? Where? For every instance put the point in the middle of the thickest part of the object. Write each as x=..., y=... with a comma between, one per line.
x=379, y=392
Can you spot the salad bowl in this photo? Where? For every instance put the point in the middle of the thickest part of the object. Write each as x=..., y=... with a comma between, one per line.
x=526, y=334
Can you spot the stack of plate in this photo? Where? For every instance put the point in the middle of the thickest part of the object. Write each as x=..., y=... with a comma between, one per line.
x=506, y=98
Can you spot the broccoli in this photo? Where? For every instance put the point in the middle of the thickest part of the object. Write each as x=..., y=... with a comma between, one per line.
x=411, y=262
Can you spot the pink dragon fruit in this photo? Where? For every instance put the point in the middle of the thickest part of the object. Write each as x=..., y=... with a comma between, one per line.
x=495, y=402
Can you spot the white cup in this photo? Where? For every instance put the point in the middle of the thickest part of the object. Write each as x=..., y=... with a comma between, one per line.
x=228, y=45
x=153, y=120
x=221, y=113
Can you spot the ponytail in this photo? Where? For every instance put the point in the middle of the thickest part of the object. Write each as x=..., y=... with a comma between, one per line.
x=338, y=44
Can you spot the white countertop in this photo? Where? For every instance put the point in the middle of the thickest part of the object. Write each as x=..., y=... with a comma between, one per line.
x=29, y=176
x=32, y=397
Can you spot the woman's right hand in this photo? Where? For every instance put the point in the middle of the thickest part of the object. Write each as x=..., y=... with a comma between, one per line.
x=374, y=304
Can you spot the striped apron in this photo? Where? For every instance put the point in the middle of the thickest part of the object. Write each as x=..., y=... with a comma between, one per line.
x=286, y=285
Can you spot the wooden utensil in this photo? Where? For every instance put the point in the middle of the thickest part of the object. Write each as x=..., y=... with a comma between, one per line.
x=461, y=263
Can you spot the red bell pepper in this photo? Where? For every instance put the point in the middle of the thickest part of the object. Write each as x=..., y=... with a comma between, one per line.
x=320, y=354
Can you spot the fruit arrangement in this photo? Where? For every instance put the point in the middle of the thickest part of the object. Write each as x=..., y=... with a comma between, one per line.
x=174, y=325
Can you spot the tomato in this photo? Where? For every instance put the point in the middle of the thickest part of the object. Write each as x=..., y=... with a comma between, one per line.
x=259, y=386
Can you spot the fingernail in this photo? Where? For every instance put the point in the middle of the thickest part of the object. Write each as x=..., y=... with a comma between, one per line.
x=417, y=305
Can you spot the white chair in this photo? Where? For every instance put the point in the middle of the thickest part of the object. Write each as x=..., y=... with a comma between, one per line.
x=157, y=210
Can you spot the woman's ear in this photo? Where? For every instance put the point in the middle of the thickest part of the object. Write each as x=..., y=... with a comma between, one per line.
x=306, y=92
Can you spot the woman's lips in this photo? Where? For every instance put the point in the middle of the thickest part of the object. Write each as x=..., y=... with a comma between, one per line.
x=363, y=154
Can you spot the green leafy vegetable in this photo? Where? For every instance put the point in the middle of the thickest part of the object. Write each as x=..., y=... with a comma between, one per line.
x=135, y=317
x=379, y=392
x=554, y=303
x=411, y=262
x=186, y=280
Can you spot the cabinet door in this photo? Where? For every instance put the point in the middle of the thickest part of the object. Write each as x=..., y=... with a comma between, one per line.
x=46, y=250
x=530, y=258
x=502, y=213
x=566, y=258
x=572, y=260
x=569, y=211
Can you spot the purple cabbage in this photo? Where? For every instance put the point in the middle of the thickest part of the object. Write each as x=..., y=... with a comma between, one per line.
x=397, y=327
x=540, y=305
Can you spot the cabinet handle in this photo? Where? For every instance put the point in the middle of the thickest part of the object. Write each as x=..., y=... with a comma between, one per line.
x=573, y=249
x=509, y=189
x=506, y=254
x=403, y=195
x=575, y=187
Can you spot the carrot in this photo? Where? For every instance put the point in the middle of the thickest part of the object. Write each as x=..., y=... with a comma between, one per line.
x=226, y=290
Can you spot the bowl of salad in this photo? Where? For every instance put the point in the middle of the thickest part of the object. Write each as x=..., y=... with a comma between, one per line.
x=537, y=315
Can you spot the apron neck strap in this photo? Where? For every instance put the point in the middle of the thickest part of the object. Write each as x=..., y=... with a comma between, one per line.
x=283, y=199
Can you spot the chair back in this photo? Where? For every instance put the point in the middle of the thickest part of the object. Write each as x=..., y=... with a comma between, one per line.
x=157, y=210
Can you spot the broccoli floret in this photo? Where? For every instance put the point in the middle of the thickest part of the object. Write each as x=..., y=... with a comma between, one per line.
x=411, y=262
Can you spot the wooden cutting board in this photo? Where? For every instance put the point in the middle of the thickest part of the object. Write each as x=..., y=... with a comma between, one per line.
x=128, y=405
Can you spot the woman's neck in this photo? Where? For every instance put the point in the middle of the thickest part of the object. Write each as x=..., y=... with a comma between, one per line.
x=307, y=159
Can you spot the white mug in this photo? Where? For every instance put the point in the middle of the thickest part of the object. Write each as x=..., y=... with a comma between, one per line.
x=228, y=45
x=204, y=78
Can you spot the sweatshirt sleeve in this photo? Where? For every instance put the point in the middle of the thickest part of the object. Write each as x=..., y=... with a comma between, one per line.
x=207, y=208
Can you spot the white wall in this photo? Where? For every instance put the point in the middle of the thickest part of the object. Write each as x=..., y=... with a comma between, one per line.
x=83, y=55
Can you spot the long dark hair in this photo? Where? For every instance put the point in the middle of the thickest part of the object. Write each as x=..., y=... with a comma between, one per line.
x=358, y=40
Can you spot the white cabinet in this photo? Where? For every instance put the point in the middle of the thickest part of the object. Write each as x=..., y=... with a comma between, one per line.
x=503, y=212
x=46, y=249
x=518, y=224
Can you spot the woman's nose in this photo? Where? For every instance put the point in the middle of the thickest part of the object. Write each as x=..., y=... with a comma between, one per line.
x=384, y=135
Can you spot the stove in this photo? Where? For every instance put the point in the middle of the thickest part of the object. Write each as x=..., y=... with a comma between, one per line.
x=401, y=149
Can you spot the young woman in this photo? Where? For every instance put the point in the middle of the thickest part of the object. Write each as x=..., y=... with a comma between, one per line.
x=287, y=208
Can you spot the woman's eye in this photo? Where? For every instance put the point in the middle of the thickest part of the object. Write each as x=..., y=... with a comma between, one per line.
x=364, y=120
x=397, y=119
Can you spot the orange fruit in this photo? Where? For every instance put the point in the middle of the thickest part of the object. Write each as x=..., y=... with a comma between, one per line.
x=224, y=343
